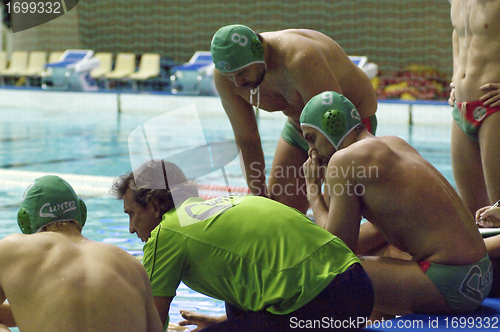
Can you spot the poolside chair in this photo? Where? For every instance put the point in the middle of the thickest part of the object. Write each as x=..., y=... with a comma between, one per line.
x=18, y=62
x=124, y=67
x=55, y=56
x=36, y=64
x=105, y=64
x=3, y=60
x=37, y=61
x=149, y=67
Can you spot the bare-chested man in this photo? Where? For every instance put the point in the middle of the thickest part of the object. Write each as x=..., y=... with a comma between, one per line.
x=476, y=100
x=57, y=280
x=409, y=202
x=281, y=71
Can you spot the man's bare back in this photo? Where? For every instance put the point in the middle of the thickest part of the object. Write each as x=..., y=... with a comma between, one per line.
x=410, y=202
x=475, y=46
x=62, y=281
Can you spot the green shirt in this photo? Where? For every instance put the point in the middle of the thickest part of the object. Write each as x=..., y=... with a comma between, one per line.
x=250, y=251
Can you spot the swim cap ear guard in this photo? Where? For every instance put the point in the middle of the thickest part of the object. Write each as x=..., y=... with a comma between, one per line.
x=333, y=115
x=236, y=46
x=49, y=199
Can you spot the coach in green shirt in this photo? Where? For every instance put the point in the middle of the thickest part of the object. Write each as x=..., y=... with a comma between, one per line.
x=274, y=268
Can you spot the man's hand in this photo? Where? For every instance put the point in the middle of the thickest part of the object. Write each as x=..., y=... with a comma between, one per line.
x=492, y=96
x=451, y=100
x=488, y=217
x=201, y=321
x=314, y=175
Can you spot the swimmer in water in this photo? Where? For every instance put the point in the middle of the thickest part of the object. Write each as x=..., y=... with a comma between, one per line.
x=475, y=97
x=57, y=280
x=410, y=204
x=281, y=71
x=242, y=250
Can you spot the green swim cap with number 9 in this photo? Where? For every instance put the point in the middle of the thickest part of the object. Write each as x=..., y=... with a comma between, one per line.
x=333, y=115
x=235, y=47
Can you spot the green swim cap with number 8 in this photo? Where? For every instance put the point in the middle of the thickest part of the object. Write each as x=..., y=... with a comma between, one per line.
x=235, y=47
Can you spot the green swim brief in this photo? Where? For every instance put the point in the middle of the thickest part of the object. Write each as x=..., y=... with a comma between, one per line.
x=294, y=137
x=467, y=127
x=464, y=287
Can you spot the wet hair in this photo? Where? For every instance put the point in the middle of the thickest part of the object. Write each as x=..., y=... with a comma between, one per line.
x=157, y=182
x=60, y=224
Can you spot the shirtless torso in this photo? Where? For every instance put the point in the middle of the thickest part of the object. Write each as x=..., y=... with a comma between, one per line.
x=476, y=77
x=407, y=199
x=475, y=46
x=58, y=281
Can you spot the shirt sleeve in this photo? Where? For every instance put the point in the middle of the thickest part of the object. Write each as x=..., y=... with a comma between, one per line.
x=165, y=261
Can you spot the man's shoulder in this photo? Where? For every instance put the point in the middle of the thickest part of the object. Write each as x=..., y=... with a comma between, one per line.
x=365, y=150
x=13, y=239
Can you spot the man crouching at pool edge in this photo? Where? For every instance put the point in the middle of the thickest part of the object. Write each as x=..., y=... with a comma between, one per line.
x=242, y=250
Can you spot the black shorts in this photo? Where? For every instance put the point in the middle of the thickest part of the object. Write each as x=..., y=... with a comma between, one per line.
x=345, y=304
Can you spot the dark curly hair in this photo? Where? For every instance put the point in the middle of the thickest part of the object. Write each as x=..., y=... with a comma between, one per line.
x=158, y=182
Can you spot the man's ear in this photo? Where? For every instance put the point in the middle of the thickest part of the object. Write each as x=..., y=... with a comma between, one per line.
x=156, y=209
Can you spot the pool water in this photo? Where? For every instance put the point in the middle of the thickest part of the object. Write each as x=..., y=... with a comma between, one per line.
x=97, y=144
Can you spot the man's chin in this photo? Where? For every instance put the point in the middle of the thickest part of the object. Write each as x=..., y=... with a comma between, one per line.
x=250, y=87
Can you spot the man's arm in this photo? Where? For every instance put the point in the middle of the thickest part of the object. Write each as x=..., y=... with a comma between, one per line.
x=163, y=306
x=344, y=210
x=6, y=316
x=246, y=133
x=455, y=47
x=314, y=179
x=370, y=240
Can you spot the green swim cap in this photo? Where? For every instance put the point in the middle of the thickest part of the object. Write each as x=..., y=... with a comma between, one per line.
x=48, y=199
x=333, y=115
x=235, y=47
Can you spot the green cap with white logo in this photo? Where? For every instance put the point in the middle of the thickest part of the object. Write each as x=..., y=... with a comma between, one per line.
x=49, y=199
x=235, y=47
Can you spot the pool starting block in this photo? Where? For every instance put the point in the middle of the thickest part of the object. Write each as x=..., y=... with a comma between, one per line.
x=194, y=77
x=71, y=72
x=370, y=69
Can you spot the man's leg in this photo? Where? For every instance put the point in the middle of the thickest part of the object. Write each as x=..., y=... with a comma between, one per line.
x=489, y=142
x=286, y=181
x=468, y=170
x=401, y=287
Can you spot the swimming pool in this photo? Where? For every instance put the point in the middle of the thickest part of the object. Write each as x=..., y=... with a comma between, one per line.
x=96, y=143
